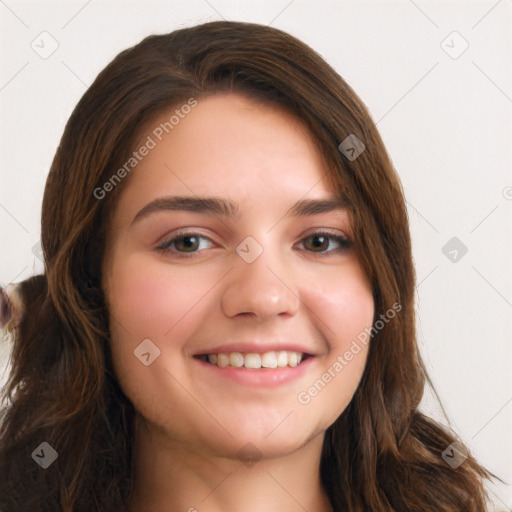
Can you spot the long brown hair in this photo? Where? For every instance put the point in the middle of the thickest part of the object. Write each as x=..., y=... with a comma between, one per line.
x=381, y=454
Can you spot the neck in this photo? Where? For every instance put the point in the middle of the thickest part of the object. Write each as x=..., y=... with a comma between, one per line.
x=170, y=476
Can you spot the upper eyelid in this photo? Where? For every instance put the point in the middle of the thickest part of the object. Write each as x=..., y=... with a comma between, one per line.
x=167, y=239
x=197, y=231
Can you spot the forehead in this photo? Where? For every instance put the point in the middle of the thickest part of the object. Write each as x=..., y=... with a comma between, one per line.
x=229, y=137
x=259, y=156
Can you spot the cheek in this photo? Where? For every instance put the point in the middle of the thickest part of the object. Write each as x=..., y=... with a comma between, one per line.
x=148, y=299
x=342, y=302
x=343, y=307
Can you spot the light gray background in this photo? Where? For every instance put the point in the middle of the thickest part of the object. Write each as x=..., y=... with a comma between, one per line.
x=446, y=121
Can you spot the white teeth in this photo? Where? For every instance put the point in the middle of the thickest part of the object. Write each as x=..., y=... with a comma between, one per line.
x=282, y=359
x=236, y=359
x=293, y=359
x=253, y=360
x=222, y=360
x=269, y=360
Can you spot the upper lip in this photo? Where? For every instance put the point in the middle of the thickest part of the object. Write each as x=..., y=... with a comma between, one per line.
x=256, y=347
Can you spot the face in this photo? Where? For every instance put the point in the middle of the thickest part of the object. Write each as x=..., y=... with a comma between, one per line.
x=263, y=272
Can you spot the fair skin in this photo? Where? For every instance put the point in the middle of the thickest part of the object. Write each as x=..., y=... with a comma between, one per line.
x=304, y=293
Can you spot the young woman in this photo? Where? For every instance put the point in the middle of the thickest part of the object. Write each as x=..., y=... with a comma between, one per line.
x=226, y=317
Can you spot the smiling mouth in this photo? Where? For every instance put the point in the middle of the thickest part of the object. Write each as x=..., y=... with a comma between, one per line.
x=253, y=360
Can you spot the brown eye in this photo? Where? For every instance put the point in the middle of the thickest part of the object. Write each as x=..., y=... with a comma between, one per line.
x=185, y=243
x=318, y=242
x=321, y=242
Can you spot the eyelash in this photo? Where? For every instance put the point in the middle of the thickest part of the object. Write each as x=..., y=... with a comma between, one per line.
x=344, y=243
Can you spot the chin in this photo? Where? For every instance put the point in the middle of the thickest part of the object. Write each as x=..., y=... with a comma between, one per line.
x=250, y=443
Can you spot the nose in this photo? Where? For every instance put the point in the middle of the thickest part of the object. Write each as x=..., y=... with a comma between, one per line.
x=261, y=289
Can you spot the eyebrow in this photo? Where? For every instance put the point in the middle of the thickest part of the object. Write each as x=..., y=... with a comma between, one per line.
x=227, y=208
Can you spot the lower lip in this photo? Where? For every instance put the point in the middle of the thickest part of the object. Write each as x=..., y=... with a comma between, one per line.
x=261, y=377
